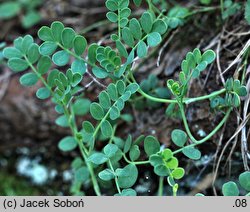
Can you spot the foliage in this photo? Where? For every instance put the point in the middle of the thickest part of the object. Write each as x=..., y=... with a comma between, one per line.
x=247, y=11
x=231, y=188
x=106, y=159
x=10, y=9
x=14, y=186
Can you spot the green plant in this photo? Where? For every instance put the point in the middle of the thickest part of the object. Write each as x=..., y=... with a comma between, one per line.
x=229, y=8
x=247, y=11
x=10, y=9
x=232, y=189
x=117, y=160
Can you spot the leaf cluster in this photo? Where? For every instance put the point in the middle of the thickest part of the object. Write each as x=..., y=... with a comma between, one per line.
x=10, y=9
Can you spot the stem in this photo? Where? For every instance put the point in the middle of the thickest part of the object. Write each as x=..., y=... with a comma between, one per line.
x=222, y=6
x=210, y=134
x=211, y=95
x=39, y=75
x=116, y=179
x=74, y=133
x=150, y=5
x=113, y=134
x=185, y=123
x=160, y=190
x=119, y=23
x=185, y=100
x=156, y=99
x=93, y=26
x=83, y=152
x=135, y=162
x=98, y=127
x=85, y=61
x=205, y=9
x=90, y=168
x=175, y=189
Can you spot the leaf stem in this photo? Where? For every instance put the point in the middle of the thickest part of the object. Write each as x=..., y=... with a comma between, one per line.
x=83, y=151
x=215, y=130
x=116, y=179
x=185, y=100
x=135, y=162
x=161, y=183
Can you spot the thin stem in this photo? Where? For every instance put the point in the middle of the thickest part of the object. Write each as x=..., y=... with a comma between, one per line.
x=206, y=9
x=116, y=179
x=91, y=171
x=119, y=23
x=215, y=130
x=38, y=75
x=150, y=6
x=185, y=123
x=156, y=99
x=113, y=134
x=83, y=151
x=85, y=61
x=98, y=127
x=185, y=100
x=222, y=6
x=135, y=162
x=94, y=26
x=175, y=189
x=209, y=96
x=161, y=183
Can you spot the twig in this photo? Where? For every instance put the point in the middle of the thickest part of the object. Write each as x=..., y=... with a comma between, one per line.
x=237, y=59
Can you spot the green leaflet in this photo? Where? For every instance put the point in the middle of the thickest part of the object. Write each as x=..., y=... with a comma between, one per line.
x=153, y=39
x=68, y=36
x=191, y=153
x=62, y=121
x=244, y=180
x=127, y=176
x=247, y=11
x=151, y=145
x=106, y=175
x=17, y=64
x=67, y=144
x=81, y=106
x=61, y=58
x=44, y=65
x=230, y=189
x=79, y=44
x=82, y=174
x=118, y=11
x=110, y=150
x=179, y=137
x=104, y=100
x=98, y=158
x=43, y=93
x=28, y=79
x=106, y=128
x=96, y=111
x=127, y=36
x=127, y=192
x=146, y=22
x=135, y=28
x=47, y=48
x=9, y=9
x=142, y=49
x=134, y=153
